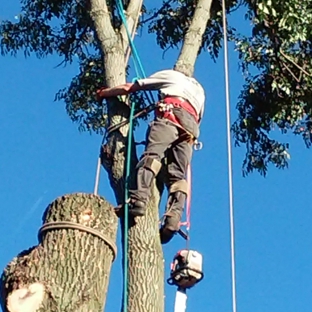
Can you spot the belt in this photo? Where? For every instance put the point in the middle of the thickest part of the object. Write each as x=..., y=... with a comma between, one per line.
x=180, y=102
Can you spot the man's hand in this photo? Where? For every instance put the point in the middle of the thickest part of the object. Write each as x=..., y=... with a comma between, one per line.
x=99, y=97
x=121, y=90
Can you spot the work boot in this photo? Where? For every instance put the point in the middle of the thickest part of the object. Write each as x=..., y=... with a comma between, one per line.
x=137, y=207
x=170, y=226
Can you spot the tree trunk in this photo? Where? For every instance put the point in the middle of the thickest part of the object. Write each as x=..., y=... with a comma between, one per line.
x=193, y=38
x=146, y=274
x=68, y=271
x=146, y=264
x=145, y=258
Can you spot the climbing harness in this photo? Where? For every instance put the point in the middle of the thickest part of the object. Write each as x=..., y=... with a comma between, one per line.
x=163, y=108
x=143, y=112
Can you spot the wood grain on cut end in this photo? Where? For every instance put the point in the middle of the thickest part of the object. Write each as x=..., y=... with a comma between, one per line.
x=26, y=299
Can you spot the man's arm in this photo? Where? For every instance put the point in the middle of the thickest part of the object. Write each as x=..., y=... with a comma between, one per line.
x=123, y=89
x=156, y=81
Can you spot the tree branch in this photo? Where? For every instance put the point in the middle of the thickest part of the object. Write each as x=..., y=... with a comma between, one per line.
x=165, y=4
x=294, y=63
x=101, y=18
x=110, y=43
x=292, y=74
x=193, y=38
x=132, y=16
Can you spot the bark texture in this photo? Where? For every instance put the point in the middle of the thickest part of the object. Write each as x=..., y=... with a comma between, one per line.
x=193, y=38
x=114, y=65
x=68, y=271
x=115, y=74
x=146, y=264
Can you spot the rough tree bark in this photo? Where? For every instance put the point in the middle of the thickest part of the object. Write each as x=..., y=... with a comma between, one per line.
x=146, y=264
x=193, y=38
x=68, y=271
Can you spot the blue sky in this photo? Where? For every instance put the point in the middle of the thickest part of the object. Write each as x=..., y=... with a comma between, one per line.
x=43, y=156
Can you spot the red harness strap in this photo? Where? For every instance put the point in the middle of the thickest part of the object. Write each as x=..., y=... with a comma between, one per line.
x=176, y=102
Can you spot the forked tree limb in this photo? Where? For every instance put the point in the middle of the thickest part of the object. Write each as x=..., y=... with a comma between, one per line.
x=101, y=17
x=132, y=13
x=193, y=38
x=110, y=43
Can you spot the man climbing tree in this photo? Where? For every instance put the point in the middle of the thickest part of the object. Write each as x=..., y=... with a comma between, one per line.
x=94, y=32
x=170, y=135
x=275, y=95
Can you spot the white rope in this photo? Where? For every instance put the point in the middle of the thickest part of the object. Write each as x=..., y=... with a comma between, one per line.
x=97, y=176
x=229, y=148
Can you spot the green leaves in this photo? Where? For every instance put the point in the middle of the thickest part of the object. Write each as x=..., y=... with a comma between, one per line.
x=280, y=51
x=275, y=59
x=266, y=8
x=49, y=27
x=173, y=20
x=80, y=96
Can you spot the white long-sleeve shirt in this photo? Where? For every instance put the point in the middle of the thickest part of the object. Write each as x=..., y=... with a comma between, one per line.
x=173, y=83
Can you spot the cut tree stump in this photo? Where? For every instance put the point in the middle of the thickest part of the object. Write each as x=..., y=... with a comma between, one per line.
x=68, y=271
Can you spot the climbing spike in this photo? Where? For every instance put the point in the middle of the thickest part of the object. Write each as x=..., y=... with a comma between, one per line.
x=183, y=234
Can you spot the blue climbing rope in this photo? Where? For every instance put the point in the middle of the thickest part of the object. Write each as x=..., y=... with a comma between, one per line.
x=135, y=55
x=138, y=66
x=134, y=51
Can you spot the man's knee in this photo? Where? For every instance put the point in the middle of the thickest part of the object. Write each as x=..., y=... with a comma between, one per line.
x=150, y=163
x=179, y=186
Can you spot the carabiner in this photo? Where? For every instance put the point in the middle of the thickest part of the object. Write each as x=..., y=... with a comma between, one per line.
x=198, y=145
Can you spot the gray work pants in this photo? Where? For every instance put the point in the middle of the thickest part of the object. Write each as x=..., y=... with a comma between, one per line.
x=162, y=142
